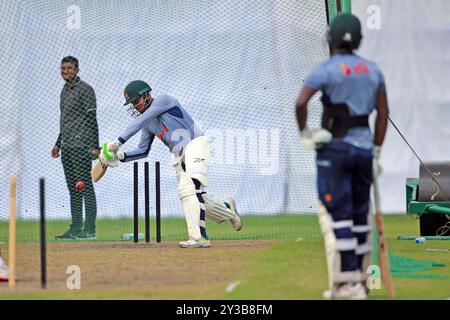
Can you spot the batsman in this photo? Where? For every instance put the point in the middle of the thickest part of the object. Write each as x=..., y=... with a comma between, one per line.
x=347, y=153
x=163, y=117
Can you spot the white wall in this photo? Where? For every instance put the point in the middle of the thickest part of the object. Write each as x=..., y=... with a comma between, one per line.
x=412, y=48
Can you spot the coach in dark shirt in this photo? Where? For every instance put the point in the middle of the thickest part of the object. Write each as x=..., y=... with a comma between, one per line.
x=78, y=143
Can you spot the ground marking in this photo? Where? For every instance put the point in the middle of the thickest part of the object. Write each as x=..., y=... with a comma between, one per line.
x=232, y=286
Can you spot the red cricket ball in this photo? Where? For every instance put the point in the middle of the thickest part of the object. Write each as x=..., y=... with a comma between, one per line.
x=80, y=185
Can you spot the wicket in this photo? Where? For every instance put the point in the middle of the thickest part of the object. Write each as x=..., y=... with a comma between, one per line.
x=42, y=229
x=42, y=233
x=158, y=201
x=136, y=203
x=147, y=201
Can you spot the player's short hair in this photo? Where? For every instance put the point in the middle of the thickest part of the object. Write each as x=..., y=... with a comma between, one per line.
x=70, y=59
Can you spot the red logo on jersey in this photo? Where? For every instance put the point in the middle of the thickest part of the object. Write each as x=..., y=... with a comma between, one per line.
x=346, y=69
x=361, y=67
x=163, y=132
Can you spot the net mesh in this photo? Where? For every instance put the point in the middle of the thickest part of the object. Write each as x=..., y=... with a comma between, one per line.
x=235, y=66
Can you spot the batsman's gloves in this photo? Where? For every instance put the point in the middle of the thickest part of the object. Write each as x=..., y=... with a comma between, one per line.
x=110, y=154
x=377, y=168
x=315, y=139
x=114, y=146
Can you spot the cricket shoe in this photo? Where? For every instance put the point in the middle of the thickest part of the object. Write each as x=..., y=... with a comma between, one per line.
x=236, y=221
x=347, y=291
x=68, y=235
x=4, y=272
x=191, y=243
x=85, y=235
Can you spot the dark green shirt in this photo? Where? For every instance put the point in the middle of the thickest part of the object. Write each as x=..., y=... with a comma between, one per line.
x=78, y=121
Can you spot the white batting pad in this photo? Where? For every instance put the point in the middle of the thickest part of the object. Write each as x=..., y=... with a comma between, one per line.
x=197, y=157
x=365, y=249
x=191, y=206
x=333, y=256
x=216, y=209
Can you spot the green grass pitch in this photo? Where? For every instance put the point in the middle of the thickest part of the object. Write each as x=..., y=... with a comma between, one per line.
x=291, y=265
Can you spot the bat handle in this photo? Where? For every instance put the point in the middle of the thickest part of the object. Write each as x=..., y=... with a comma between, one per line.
x=376, y=190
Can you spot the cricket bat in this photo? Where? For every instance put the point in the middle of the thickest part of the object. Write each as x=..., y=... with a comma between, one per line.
x=383, y=259
x=98, y=171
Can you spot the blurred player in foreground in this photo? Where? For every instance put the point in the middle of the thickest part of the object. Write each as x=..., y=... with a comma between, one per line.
x=164, y=118
x=347, y=153
x=4, y=271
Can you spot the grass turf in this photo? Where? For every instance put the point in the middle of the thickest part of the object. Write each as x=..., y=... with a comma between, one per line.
x=255, y=227
x=292, y=268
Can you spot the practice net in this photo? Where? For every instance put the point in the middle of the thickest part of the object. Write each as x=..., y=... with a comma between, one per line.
x=236, y=66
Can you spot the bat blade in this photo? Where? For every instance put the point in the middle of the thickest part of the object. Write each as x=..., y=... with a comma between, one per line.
x=98, y=171
x=383, y=258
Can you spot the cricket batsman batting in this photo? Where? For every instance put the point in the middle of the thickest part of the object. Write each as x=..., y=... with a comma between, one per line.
x=165, y=118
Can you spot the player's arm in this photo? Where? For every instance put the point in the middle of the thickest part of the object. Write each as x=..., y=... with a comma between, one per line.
x=380, y=123
x=58, y=141
x=380, y=130
x=56, y=147
x=301, y=107
x=311, y=139
x=314, y=81
x=91, y=121
x=382, y=117
x=316, y=138
x=143, y=148
x=111, y=154
x=143, y=120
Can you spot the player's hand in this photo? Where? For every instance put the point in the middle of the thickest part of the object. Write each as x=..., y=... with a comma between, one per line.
x=55, y=152
x=114, y=146
x=110, y=154
x=377, y=168
x=107, y=161
x=95, y=153
x=315, y=139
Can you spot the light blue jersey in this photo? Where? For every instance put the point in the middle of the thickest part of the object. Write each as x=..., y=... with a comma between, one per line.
x=355, y=81
x=165, y=119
